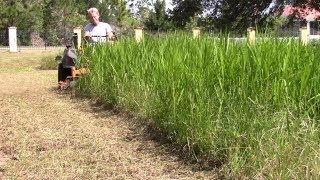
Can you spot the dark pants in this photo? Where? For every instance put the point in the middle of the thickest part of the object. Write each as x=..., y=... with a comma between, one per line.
x=63, y=73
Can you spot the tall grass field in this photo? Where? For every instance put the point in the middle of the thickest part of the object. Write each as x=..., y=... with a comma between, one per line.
x=253, y=108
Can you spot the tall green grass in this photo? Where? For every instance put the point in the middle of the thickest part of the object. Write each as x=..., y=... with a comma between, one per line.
x=255, y=108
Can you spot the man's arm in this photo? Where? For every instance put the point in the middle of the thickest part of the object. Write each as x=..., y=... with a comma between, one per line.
x=87, y=36
x=109, y=34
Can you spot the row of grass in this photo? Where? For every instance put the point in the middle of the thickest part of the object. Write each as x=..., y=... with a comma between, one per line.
x=254, y=108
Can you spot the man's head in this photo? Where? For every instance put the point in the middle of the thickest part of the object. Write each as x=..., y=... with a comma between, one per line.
x=93, y=15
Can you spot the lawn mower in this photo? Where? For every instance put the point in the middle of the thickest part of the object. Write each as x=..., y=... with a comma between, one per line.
x=67, y=72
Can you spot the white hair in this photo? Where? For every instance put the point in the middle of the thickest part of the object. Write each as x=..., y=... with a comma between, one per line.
x=93, y=10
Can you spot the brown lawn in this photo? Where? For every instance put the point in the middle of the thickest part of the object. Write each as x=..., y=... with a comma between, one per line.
x=46, y=134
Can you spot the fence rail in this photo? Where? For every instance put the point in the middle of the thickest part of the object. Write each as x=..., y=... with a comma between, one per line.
x=22, y=48
x=240, y=39
x=4, y=38
x=39, y=44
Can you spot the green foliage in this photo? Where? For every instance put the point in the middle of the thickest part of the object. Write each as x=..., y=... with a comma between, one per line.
x=239, y=15
x=184, y=10
x=158, y=20
x=122, y=12
x=193, y=22
x=21, y=13
x=60, y=17
x=47, y=18
x=3, y=11
x=140, y=11
x=53, y=20
x=276, y=22
x=50, y=62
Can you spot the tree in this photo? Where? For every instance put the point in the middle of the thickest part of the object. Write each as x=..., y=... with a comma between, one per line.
x=305, y=3
x=238, y=15
x=122, y=12
x=158, y=20
x=21, y=13
x=184, y=10
x=24, y=14
x=140, y=11
x=60, y=17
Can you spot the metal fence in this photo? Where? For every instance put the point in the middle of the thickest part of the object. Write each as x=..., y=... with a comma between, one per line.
x=35, y=48
x=315, y=28
x=47, y=38
x=30, y=40
x=56, y=40
x=4, y=38
x=288, y=32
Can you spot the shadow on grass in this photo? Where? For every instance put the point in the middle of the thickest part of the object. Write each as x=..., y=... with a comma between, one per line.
x=144, y=130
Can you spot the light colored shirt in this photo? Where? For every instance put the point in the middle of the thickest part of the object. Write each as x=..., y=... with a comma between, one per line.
x=99, y=33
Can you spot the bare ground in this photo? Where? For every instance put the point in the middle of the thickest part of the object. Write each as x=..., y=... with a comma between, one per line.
x=45, y=134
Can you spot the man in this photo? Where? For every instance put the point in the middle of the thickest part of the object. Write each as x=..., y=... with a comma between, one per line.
x=97, y=31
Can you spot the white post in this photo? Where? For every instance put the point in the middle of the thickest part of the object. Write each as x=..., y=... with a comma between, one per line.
x=77, y=42
x=308, y=28
x=13, y=47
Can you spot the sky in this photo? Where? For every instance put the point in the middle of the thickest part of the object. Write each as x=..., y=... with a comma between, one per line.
x=271, y=6
x=168, y=4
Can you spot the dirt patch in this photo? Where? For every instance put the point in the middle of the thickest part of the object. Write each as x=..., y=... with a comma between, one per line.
x=46, y=134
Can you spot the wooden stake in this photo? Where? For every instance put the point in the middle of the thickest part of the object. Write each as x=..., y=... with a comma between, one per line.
x=196, y=32
x=77, y=37
x=304, y=35
x=138, y=34
x=251, y=35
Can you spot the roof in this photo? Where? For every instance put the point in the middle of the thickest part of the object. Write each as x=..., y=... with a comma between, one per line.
x=307, y=13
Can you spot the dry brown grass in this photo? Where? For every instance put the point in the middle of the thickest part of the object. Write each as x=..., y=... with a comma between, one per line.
x=49, y=135
x=23, y=61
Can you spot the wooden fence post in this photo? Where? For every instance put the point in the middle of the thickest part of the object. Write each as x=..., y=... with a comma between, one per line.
x=77, y=37
x=251, y=35
x=196, y=32
x=138, y=34
x=13, y=46
x=304, y=35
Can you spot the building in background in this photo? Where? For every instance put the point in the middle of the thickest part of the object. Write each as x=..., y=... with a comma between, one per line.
x=302, y=16
x=305, y=16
